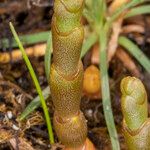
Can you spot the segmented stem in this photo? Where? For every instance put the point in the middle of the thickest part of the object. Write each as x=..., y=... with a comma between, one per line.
x=133, y=102
x=67, y=72
x=136, y=124
x=68, y=35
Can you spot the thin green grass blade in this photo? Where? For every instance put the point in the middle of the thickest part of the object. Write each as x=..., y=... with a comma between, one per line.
x=26, y=39
x=47, y=57
x=88, y=43
x=145, y=9
x=97, y=7
x=101, y=11
x=35, y=103
x=106, y=100
x=135, y=51
x=38, y=88
x=89, y=17
x=124, y=7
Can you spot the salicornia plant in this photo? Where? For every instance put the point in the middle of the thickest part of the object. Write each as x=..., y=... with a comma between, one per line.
x=101, y=18
x=136, y=124
x=66, y=73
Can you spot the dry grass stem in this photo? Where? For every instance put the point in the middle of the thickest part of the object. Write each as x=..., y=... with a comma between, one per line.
x=95, y=54
x=133, y=28
x=128, y=62
x=116, y=4
x=122, y=56
x=113, y=43
x=20, y=144
x=34, y=51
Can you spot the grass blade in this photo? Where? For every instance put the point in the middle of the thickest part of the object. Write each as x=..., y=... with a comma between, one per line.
x=26, y=39
x=88, y=16
x=124, y=7
x=106, y=100
x=38, y=88
x=47, y=57
x=88, y=44
x=135, y=51
x=145, y=9
x=35, y=103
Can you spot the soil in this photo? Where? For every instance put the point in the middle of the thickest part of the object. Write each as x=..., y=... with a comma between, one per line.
x=17, y=89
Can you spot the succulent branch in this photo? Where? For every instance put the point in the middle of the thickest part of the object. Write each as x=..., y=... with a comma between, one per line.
x=68, y=35
x=136, y=124
x=66, y=75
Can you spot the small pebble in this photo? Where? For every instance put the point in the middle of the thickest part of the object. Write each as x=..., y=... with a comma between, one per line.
x=9, y=114
x=90, y=112
x=19, y=98
x=91, y=82
x=15, y=127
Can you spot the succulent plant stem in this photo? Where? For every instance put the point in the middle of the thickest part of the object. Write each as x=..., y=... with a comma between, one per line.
x=66, y=74
x=136, y=124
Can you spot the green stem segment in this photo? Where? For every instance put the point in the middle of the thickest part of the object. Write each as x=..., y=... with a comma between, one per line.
x=66, y=74
x=133, y=102
x=136, y=125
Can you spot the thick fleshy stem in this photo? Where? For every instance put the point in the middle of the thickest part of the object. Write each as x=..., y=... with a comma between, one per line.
x=136, y=124
x=67, y=73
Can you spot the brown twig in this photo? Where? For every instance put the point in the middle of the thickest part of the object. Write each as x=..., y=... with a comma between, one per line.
x=127, y=62
x=14, y=86
x=115, y=4
x=133, y=28
x=22, y=144
x=95, y=54
x=122, y=56
x=113, y=43
x=34, y=51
